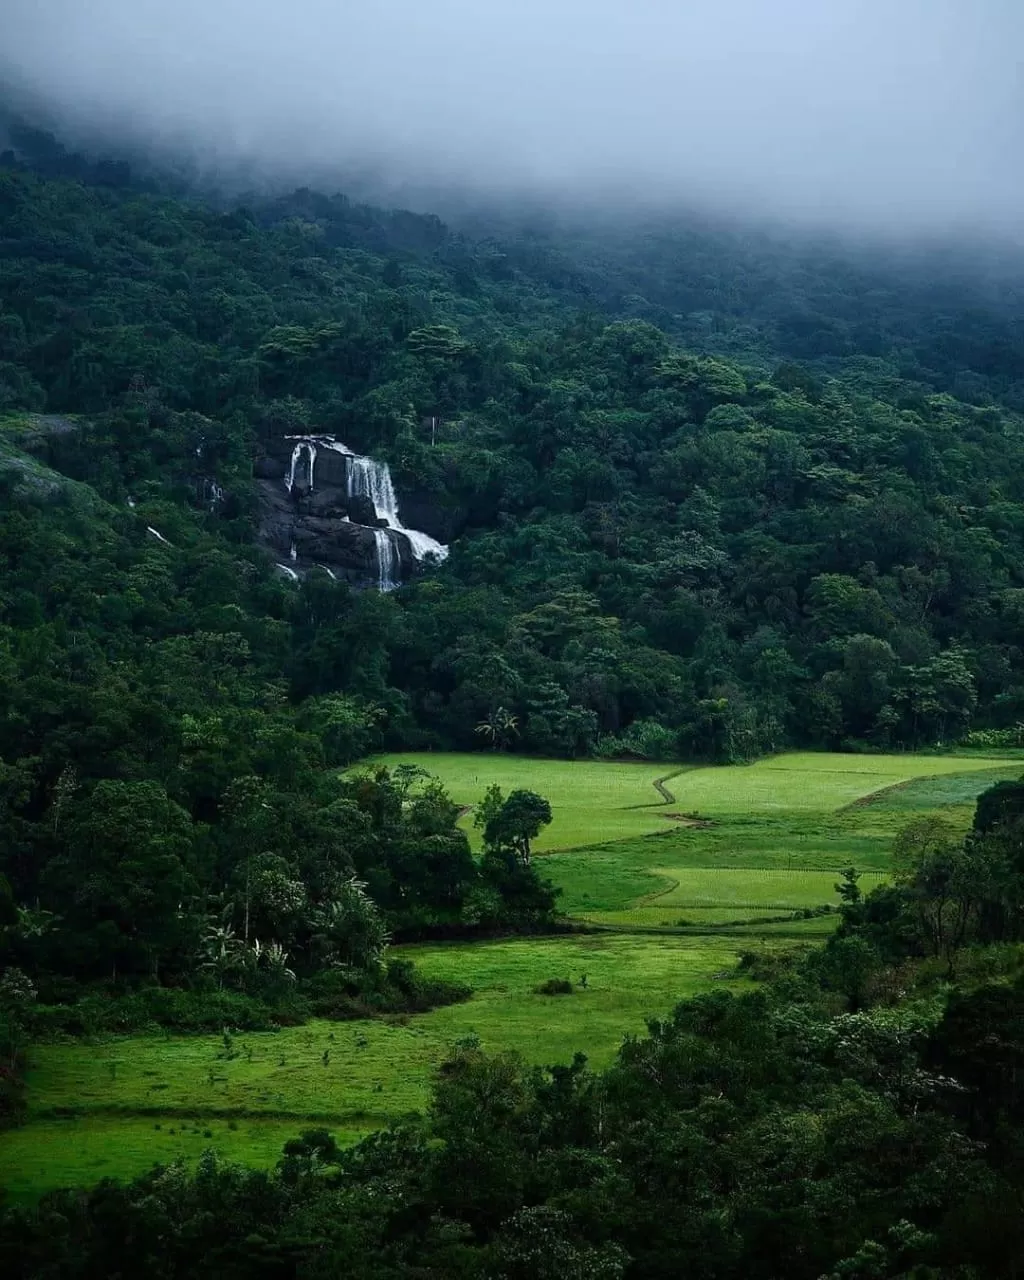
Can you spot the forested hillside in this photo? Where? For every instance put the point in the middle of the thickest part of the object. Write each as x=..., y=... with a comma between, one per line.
x=658, y=549
x=656, y=552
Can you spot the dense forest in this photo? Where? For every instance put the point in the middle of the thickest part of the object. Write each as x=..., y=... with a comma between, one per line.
x=708, y=494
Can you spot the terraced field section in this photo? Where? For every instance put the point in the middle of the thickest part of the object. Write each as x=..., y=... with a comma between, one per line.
x=677, y=886
x=600, y=803
x=591, y=801
x=749, y=846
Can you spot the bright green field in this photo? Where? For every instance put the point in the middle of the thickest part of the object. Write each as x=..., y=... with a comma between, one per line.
x=772, y=838
x=80, y=1151
x=590, y=800
x=596, y=803
x=807, y=781
x=786, y=855
x=120, y=1090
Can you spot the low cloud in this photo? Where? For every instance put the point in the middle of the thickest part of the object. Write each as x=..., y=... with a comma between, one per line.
x=902, y=114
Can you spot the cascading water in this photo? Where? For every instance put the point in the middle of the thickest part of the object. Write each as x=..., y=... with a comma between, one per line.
x=365, y=477
x=308, y=445
x=310, y=449
x=372, y=479
x=387, y=560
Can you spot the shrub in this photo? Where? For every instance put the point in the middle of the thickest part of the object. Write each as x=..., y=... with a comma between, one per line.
x=98, y=1012
x=344, y=994
x=554, y=987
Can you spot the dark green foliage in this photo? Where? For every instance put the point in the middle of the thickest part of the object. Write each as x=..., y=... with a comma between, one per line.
x=661, y=552
x=555, y=987
x=516, y=822
x=949, y=890
x=999, y=806
x=669, y=540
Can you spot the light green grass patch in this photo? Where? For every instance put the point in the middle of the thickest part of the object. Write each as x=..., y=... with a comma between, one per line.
x=956, y=790
x=630, y=873
x=594, y=802
x=591, y=801
x=799, y=781
x=629, y=979
x=713, y=896
x=754, y=889
x=664, y=917
x=277, y=1083
x=81, y=1150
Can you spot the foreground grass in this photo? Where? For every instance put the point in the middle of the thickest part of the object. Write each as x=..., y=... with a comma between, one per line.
x=80, y=1150
x=94, y=1108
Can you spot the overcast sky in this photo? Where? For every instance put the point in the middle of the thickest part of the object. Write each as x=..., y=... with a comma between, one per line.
x=892, y=112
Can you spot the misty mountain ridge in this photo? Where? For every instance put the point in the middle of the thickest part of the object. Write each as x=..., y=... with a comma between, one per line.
x=753, y=289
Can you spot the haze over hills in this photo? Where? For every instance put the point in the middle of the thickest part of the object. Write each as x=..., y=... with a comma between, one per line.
x=858, y=112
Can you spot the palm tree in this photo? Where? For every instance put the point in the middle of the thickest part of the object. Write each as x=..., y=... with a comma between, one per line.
x=222, y=951
x=500, y=727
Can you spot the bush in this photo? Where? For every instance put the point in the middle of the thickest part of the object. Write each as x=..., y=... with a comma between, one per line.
x=554, y=987
x=766, y=965
x=643, y=740
x=341, y=994
x=99, y=1012
x=344, y=994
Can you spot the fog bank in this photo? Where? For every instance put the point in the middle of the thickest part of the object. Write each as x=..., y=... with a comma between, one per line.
x=893, y=114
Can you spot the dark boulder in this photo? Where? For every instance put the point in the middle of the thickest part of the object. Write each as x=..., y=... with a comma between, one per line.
x=362, y=511
x=443, y=521
x=331, y=468
x=325, y=502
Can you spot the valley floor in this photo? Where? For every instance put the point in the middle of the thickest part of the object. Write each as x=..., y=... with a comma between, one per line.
x=672, y=903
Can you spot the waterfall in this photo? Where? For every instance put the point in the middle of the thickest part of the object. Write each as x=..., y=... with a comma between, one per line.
x=372, y=479
x=368, y=478
x=309, y=446
x=387, y=560
x=289, y=572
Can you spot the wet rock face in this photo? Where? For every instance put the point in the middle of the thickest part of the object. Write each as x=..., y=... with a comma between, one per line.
x=421, y=511
x=323, y=505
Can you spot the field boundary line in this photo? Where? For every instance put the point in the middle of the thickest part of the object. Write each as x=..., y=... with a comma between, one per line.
x=659, y=785
x=649, y=898
x=662, y=790
x=871, y=797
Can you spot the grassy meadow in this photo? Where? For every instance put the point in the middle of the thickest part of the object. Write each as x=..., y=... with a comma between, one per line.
x=590, y=800
x=678, y=889
x=596, y=802
x=116, y=1107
